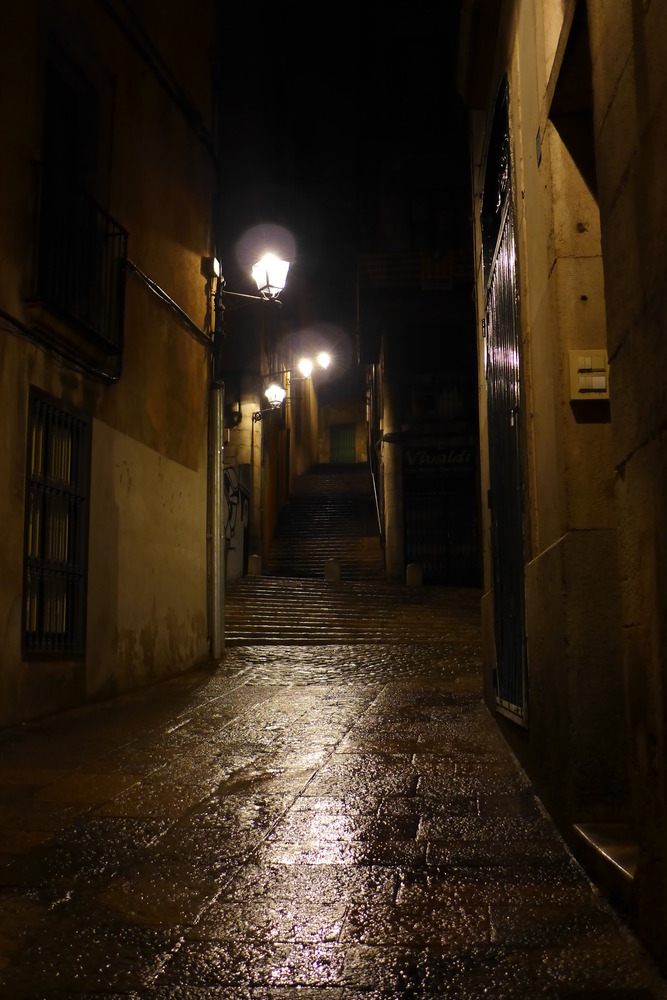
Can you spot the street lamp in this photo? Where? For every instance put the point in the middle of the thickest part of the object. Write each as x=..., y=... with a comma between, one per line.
x=306, y=365
x=270, y=274
x=275, y=393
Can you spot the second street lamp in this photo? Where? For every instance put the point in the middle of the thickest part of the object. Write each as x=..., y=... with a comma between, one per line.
x=275, y=392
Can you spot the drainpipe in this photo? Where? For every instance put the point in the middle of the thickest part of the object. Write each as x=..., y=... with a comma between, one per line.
x=216, y=527
x=262, y=491
x=216, y=486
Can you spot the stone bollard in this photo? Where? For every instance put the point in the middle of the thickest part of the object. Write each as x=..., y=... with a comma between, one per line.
x=332, y=570
x=254, y=565
x=414, y=575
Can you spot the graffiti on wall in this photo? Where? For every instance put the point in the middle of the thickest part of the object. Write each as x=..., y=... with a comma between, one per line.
x=236, y=521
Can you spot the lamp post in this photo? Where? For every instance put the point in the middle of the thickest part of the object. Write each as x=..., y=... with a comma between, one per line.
x=270, y=275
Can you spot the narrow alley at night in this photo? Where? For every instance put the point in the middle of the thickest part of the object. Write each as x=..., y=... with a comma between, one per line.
x=333, y=565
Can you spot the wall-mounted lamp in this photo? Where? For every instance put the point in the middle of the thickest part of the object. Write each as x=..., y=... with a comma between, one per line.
x=306, y=365
x=270, y=274
x=275, y=393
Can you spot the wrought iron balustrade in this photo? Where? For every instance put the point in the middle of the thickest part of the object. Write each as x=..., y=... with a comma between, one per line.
x=80, y=260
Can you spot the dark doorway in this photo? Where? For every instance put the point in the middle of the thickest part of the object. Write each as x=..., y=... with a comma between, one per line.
x=342, y=444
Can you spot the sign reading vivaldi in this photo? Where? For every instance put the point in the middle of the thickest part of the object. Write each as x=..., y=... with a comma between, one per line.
x=457, y=458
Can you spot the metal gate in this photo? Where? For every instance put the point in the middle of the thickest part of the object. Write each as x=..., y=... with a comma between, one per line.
x=439, y=501
x=505, y=448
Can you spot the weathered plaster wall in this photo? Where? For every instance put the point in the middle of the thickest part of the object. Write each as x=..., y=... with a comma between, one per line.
x=146, y=610
x=303, y=422
x=147, y=606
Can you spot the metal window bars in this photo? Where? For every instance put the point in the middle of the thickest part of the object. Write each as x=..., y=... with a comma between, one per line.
x=80, y=260
x=55, y=532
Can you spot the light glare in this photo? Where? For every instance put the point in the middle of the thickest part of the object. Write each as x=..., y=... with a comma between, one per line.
x=270, y=274
x=275, y=394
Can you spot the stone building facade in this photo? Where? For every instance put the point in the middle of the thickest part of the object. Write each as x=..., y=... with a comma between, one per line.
x=568, y=123
x=107, y=184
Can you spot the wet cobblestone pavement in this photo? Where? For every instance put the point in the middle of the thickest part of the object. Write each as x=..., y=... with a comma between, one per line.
x=313, y=822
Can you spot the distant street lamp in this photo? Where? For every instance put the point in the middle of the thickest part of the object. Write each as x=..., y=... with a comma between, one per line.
x=275, y=393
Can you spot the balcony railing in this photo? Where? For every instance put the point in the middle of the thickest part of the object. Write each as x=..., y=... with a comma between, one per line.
x=80, y=262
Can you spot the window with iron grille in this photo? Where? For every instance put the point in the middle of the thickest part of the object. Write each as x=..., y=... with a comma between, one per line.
x=56, y=531
x=80, y=250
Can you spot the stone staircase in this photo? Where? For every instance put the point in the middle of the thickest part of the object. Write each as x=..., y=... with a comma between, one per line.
x=271, y=610
x=330, y=515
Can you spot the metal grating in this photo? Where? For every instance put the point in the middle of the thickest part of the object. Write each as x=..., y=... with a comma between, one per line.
x=56, y=531
x=504, y=407
x=81, y=258
x=504, y=392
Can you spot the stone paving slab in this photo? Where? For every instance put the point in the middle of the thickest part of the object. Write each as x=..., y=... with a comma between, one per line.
x=320, y=823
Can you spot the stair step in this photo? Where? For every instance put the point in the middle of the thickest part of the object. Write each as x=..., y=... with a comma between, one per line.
x=265, y=610
x=330, y=515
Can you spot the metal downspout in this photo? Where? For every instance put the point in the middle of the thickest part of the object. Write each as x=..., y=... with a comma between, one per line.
x=217, y=527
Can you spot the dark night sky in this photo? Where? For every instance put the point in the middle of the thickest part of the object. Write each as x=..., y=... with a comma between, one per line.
x=316, y=111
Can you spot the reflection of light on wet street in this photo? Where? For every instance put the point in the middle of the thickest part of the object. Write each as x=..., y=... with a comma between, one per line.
x=303, y=821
